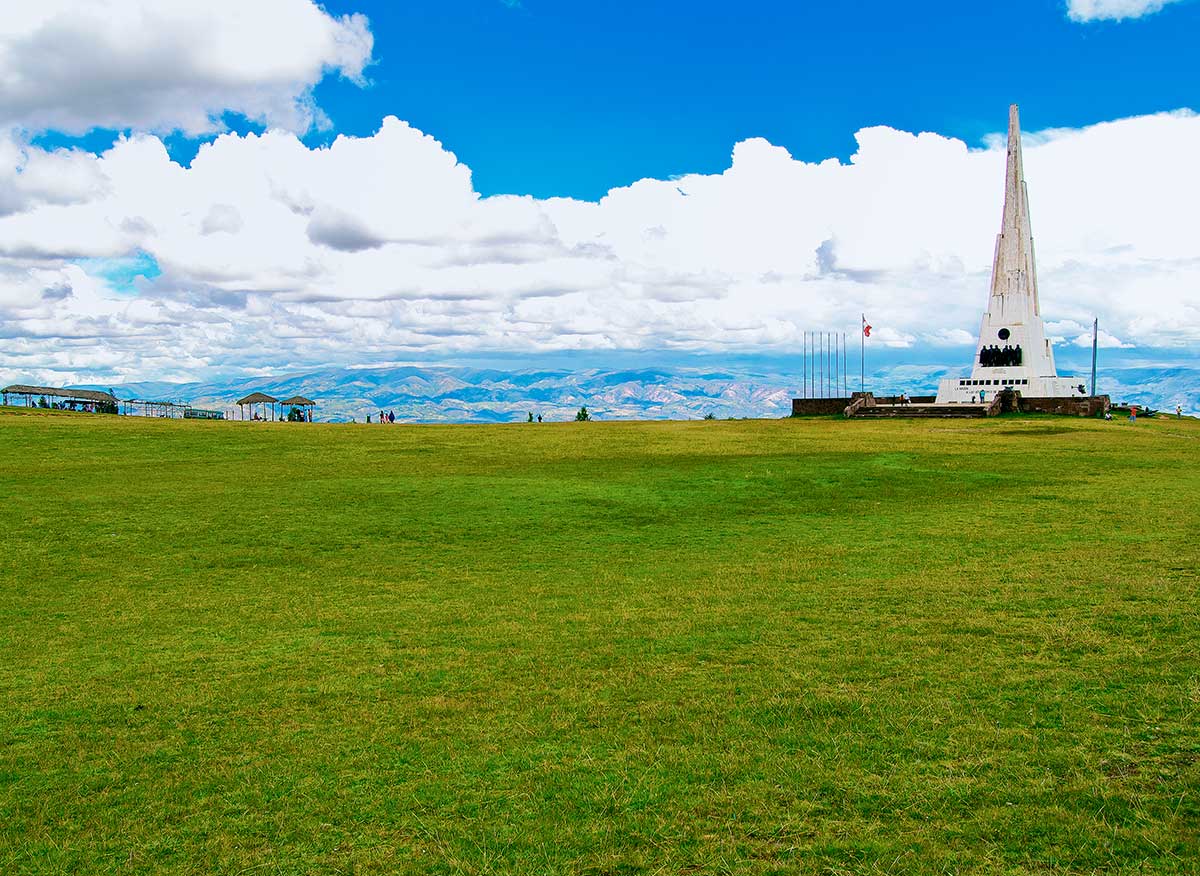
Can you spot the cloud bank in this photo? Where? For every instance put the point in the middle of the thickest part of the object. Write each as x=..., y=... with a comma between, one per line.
x=1113, y=10
x=75, y=65
x=266, y=254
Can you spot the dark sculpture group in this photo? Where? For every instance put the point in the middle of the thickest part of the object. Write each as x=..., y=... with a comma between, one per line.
x=997, y=357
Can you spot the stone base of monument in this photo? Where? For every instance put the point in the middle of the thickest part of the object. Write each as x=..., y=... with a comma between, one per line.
x=977, y=388
x=865, y=406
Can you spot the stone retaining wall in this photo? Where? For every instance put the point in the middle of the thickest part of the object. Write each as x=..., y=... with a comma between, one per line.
x=1069, y=407
x=808, y=407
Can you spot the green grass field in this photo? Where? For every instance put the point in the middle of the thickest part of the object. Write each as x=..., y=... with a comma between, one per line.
x=795, y=646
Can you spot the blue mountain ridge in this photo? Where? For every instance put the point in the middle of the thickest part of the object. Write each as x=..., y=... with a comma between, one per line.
x=446, y=393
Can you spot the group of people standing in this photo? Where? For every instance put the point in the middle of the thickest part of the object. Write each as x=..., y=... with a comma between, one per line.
x=999, y=357
x=385, y=417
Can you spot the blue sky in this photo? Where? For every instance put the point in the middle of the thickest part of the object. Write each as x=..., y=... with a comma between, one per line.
x=553, y=98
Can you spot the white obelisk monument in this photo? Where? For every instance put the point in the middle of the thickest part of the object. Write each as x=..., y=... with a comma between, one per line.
x=1013, y=352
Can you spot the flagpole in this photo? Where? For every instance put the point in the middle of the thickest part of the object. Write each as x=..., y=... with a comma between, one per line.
x=845, y=368
x=842, y=368
x=1095, y=339
x=862, y=354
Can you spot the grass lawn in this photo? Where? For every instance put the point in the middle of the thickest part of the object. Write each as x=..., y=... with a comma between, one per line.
x=755, y=647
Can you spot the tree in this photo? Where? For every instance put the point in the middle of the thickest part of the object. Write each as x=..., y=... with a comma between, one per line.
x=583, y=415
x=530, y=420
x=295, y=415
x=710, y=416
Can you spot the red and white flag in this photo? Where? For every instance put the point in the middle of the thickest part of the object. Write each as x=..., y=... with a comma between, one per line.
x=866, y=328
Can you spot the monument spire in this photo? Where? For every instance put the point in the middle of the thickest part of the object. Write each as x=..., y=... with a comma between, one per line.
x=1013, y=271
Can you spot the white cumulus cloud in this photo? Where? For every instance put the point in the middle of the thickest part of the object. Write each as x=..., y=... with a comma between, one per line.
x=267, y=254
x=1113, y=10
x=74, y=65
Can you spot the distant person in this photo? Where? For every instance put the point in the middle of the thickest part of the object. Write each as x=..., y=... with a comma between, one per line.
x=1133, y=413
x=1178, y=412
x=391, y=417
x=1108, y=415
x=973, y=399
x=983, y=396
x=539, y=418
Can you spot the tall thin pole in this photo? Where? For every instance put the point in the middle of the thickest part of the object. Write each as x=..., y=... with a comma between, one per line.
x=836, y=367
x=1095, y=340
x=822, y=358
x=862, y=355
x=804, y=357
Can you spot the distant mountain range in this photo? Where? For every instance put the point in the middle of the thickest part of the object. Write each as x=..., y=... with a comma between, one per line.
x=462, y=394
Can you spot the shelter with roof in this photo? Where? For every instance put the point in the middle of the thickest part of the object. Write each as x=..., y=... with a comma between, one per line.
x=70, y=399
x=265, y=403
x=305, y=405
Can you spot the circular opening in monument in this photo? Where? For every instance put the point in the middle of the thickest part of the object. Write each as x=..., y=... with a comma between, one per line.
x=1004, y=334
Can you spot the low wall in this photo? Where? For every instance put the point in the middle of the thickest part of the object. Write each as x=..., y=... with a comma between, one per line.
x=807, y=407
x=912, y=399
x=1070, y=407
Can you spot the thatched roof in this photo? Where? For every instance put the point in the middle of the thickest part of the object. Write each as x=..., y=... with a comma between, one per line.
x=90, y=395
x=298, y=400
x=255, y=398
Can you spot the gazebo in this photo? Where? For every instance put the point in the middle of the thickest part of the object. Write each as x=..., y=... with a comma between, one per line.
x=257, y=398
x=306, y=406
x=88, y=399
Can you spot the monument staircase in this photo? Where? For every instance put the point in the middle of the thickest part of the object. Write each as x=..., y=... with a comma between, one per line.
x=864, y=406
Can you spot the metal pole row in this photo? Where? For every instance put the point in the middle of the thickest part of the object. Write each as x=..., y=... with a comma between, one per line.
x=825, y=364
